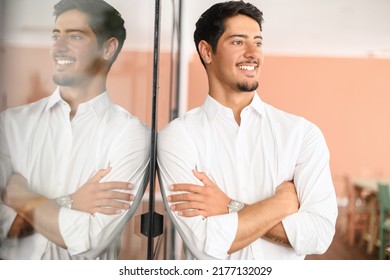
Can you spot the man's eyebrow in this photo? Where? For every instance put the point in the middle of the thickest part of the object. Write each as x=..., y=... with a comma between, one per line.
x=245, y=36
x=69, y=31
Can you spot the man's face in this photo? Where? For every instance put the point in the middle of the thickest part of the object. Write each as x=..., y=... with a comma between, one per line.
x=75, y=52
x=238, y=58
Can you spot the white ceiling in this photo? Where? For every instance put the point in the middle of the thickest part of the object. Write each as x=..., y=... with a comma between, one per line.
x=291, y=27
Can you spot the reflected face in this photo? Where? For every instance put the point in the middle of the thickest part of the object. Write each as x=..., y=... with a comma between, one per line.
x=75, y=52
x=239, y=55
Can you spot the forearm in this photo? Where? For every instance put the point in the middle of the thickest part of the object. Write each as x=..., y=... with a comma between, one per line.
x=42, y=213
x=259, y=220
x=278, y=235
x=39, y=211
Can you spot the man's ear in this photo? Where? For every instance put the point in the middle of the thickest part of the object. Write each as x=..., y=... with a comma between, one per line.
x=205, y=51
x=110, y=47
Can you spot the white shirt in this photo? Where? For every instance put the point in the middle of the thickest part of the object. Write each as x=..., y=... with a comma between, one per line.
x=248, y=162
x=57, y=156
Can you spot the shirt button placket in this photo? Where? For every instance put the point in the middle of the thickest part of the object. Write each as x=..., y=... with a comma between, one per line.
x=240, y=160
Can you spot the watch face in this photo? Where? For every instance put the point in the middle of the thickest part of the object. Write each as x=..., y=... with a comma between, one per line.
x=235, y=206
x=65, y=201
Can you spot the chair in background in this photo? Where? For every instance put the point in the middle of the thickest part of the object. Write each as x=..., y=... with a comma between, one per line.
x=384, y=219
x=357, y=213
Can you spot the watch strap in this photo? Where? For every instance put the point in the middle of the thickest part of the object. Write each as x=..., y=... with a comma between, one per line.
x=65, y=201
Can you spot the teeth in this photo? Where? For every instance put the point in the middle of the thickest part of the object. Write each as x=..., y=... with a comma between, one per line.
x=247, y=68
x=64, y=62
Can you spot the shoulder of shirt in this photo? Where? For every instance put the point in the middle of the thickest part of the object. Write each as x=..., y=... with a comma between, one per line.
x=120, y=115
x=27, y=111
x=285, y=118
x=191, y=117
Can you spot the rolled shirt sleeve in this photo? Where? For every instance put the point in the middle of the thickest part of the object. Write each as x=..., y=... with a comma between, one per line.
x=311, y=229
x=7, y=215
x=221, y=231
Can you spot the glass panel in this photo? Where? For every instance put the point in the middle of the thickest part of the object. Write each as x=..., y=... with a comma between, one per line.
x=27, y=76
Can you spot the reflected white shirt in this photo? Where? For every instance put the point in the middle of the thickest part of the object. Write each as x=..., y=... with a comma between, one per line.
x=58, y=155
x=248, y=162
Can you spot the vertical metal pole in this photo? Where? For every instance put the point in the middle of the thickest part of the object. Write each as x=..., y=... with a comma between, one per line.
x=153, y=159
x=175, y=113
x=3, y=95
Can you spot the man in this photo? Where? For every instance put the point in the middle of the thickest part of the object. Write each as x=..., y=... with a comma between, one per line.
x=242, y=179
x=72, y=163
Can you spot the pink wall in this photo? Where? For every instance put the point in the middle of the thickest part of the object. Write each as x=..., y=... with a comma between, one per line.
x=348, y=98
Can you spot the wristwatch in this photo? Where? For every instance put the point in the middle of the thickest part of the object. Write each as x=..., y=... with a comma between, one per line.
x=65, y=201
x=235, y=206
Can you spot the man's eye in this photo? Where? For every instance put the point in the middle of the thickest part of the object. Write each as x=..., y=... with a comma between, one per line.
x=75, y=37
x=259, y=44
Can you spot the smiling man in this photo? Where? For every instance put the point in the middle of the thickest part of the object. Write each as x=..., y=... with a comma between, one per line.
x=242, y=179
x=72, y=163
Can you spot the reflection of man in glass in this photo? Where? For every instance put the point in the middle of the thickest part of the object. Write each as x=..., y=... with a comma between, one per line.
x=72, y=163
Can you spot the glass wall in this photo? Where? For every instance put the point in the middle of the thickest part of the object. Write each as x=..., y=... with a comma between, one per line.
x=27, y=76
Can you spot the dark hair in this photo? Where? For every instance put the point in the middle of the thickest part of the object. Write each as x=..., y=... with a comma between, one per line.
x=211, y=24
x=105, y=21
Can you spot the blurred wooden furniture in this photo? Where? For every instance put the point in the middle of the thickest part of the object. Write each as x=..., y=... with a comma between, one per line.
x=367, y=190
x=357, y=211
x=384, y=219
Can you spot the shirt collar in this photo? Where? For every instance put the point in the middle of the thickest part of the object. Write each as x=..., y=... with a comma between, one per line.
x=54, y=99
x=257, y=104
x=98, y=105
x=212, y=107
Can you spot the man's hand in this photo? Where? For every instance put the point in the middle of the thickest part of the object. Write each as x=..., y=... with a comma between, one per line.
x=286, y=191
x=20, y=228
x=106, y=198
x=206, y=201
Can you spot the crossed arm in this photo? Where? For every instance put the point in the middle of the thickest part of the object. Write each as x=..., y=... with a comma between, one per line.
x=36, y=212
x=262, y=219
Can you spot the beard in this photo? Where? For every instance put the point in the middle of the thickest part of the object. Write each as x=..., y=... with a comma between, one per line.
x=73, y=80
x=65, y=81
x=248, y=87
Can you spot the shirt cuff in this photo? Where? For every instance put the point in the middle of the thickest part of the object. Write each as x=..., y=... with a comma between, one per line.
x=221, y=231
x=7, y=217
x=74, y=226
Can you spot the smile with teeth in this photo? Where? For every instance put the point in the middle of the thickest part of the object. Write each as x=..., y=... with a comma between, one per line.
x=64, y=61
x=247, y=67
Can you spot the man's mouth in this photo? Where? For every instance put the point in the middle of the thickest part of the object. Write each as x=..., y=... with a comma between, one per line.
x=64, y=61
x=247, y=67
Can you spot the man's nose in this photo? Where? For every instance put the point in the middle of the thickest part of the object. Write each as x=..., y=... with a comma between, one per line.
x=60, y=44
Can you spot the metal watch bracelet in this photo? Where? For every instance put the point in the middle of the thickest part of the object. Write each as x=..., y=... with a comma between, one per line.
x=65, y=201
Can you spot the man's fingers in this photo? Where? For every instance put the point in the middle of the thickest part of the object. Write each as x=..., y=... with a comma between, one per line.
x=191, y=213
x=100, y=174
x=112, y=195
x=107, y=211
x=186, y=188
x=112, y=203
x=114, y=185
x=186, y=206
x=184, y=197
x=202, y=177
